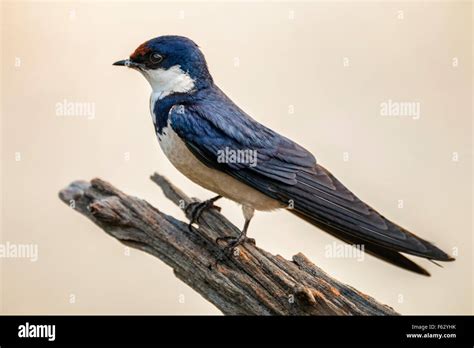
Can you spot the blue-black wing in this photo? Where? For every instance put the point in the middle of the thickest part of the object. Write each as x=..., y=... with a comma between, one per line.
x=287, y=172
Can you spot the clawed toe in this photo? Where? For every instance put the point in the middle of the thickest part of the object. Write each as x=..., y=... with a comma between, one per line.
x=236, y=241
x=195, y=209
x=233, y=242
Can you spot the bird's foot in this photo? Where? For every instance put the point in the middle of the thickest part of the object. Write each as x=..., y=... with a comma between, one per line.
x=233, y=242
x=196, y=209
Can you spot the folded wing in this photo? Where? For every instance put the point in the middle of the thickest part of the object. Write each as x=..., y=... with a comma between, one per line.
x=287, y=172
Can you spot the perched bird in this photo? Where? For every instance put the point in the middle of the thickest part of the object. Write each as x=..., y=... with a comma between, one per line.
x=218, y=146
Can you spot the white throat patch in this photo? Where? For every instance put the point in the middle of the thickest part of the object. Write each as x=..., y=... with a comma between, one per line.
x=166, y=82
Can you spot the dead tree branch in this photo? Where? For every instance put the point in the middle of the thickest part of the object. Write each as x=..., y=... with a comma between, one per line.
x=247, y=281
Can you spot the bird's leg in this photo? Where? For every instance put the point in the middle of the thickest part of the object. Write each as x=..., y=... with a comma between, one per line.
x=197, y=208
x=242, y=238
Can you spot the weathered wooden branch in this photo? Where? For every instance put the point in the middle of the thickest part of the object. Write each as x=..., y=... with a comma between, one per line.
x=246, y=281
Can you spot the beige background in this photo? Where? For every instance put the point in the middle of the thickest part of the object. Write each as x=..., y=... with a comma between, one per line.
x=66, y=51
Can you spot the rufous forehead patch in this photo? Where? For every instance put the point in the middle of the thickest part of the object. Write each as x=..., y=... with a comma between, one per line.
x=140, y=51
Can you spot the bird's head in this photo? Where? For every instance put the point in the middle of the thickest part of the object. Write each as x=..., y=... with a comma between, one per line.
x=171, y=64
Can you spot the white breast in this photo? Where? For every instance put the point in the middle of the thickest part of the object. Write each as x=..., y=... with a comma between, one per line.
x=168, y=81
x=225, y=185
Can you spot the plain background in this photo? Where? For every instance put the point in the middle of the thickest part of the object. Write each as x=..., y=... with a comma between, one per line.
x=270, y=58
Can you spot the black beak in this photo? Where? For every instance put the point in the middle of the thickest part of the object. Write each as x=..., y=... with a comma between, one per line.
x=128, y=63
x=121, y=62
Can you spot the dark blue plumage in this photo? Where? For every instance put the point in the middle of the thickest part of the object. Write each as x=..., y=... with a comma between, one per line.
x=207, y=121
x=285, y=172
x=178, y=50
x=214, y=122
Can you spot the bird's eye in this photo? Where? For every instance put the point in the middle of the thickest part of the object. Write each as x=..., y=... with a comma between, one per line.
x=156, y=58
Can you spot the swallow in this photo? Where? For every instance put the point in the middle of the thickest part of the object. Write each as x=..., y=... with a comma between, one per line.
x=218, y=146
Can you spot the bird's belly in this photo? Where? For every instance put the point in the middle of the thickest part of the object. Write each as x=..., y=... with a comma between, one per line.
x=223, y=184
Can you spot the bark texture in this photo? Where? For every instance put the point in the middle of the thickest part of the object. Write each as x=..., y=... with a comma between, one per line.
x=244, y=281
